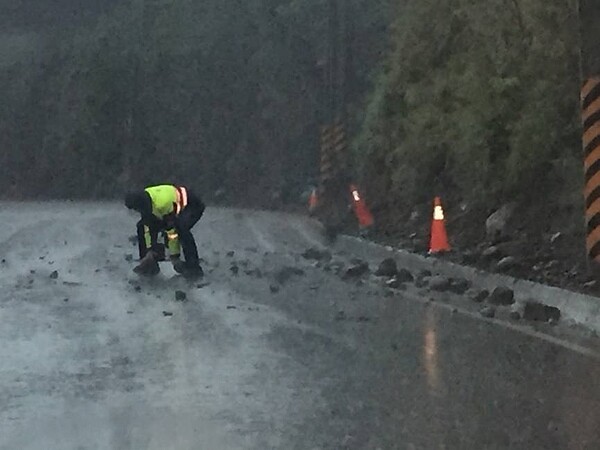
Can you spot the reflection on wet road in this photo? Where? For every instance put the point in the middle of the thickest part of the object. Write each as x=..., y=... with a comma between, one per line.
x=98, y=359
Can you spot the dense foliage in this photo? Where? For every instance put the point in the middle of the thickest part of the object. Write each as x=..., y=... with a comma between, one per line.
x=478, y=99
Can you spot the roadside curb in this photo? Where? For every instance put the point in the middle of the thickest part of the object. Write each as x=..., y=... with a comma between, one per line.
x=577, y=308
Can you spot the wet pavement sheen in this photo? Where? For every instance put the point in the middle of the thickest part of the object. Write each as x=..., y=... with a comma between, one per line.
x=321, y=364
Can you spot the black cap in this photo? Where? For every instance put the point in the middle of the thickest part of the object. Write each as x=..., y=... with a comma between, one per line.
x=135, y=200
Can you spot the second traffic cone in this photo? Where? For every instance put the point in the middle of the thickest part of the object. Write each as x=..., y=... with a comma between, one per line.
x=439, y=237
x=363, y=214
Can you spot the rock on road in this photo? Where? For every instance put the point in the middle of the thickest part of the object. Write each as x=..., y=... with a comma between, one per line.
x=268, y=351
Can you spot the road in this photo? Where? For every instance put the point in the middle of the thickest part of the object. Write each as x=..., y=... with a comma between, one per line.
x=91, y=357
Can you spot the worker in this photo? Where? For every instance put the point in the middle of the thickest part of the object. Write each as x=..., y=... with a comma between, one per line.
x=172, y=211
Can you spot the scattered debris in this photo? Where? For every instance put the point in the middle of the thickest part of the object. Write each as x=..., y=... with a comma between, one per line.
x=515, y=315
x=284, y=274
x=317, y=254
x=405, y=276
x=203, y=285
x=440, y=284
x=165, y=313
x=459, y=285
x=395, y=283
x=488, y=312
x=231, y=307
x=359, y=269
x=538, y=312
x=230, y=254
x=555, y=237
x=481, y=296
x=491, y=252
x=65, y=299
x=234, y=269
x=363, y=319
x=496, y=225
x=507, y=263
x=180, y=296
x=387, y=268
x=129, y=257
x=274, y=288
x=502, y=296
x=137, y=288
x=54, y=275
x=72, y=283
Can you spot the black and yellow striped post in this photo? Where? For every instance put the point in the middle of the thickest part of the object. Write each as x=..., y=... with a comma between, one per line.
x=589, y=17
x=326, y=167
x=590, y=104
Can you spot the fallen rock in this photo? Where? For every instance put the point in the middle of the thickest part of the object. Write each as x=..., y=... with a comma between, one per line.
x=496, y=225
x=506, y=263
x=405, y=276
x=165, y=313
x=502, y=296
x=234, y=269
x=231, y=307
x=439, y=283
x=274, y=288
x=387, y=268
x=488, y=312
x=491, y=252
x=317, y=254
x=54, y=275
x=538, y=312
x=129, y=257
x=230, y=254
x=395, y=283
x=459, y=286
x=480, y=296
x=284, y=274
x=180, y=296
x=357, y=270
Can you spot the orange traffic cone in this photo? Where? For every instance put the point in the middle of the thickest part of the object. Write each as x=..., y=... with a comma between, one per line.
x=313, y=201
x=439, y=237
x=364, y=216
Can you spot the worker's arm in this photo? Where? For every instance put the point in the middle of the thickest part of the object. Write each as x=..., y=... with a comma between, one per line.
x=154, y=227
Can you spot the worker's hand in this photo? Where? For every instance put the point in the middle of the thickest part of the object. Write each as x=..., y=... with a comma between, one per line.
x=169, y=221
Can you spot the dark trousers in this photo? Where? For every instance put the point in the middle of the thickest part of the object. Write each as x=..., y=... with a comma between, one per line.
x=189, y=216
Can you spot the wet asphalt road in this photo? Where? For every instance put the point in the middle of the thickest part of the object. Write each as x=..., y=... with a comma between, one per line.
x=89, y=360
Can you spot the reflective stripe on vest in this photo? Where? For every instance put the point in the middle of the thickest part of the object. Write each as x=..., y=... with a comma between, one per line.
x=182, y=200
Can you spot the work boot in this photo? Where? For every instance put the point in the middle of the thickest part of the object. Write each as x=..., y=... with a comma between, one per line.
x=188, y=270
x=148, y=265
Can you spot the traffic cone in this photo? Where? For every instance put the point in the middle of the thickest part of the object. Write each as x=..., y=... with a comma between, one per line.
x=364, y=216
x=439, y=237
x=313, y=201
